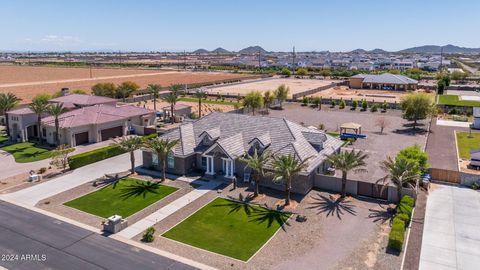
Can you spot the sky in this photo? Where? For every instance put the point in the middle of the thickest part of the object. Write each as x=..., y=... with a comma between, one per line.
x=143, y=25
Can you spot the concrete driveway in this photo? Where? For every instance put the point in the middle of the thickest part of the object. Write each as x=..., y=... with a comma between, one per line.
x=32, y=195
x=451, y=235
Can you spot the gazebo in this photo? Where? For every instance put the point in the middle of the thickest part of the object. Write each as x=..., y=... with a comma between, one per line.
x=353, y=126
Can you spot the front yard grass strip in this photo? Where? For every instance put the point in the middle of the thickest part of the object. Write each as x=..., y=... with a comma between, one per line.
x=465, y=144
x=124, y=197
x=454, y=100
x=27, y=152
x=234, y=229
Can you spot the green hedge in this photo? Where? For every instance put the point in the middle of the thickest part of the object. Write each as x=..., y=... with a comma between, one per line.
x=151, y=136
x=403, y=217
x=408, y=200
x=397, y=235
x=80, y=160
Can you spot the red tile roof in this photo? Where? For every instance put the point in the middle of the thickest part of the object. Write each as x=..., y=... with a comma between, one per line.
x=83, y=100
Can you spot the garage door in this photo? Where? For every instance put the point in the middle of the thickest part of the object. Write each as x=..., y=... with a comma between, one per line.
x=372, y=190
x=81, y=138
x=112, y=133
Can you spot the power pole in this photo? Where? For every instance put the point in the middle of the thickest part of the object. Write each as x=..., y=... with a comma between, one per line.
x=184, y=60
x=259, y=61
x=441, y=58
x=293, y=60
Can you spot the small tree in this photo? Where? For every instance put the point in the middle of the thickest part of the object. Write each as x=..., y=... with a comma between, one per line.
x=342, y=104
x=374, y=107
x=281, y=94
x=354, y=105
x=172, y=100
x=416, y=107
x=400, y=173
x=364, y=105
x=39, y=106
x=60, y=156
x=346, y=161
x=384, y=106
x=286, y=72
x=302, y=72
x=333, y=103
x=382, y=123
x=8, y=101
x=440, y=87
x=268, y=98
x=104, y=89
x=257, y=163
x=149, y=235
x=200, y=95
x=55, y=110
x=285, y=168
x=130, y=144
x=305, y=101
x=253, y=100
x=161, y=147
x=154, y=90
x=317, y=101
x=415, y=155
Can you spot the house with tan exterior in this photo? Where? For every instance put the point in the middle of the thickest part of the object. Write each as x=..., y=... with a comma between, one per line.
x=88, y=119
x=385, y=81
x=214, y=144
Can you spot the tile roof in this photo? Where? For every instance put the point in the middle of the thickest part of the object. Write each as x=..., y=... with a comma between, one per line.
x=235, y=132
x=97, y=114
x=21, y=111
x=83, y=100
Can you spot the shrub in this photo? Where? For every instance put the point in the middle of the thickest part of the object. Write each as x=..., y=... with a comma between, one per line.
x=333, y=103
x=404, y=208
x=354, y=105
x=42, y=170
x=476, y=185
x=148, y=235
x=404, y=217
x=305, y=101
x=364, y=105
x=453, y=111
x=150, y=136
x=342, y=104
x=408, y=200
x=80, y=160
x=385, y=106
x=374, y=108
x=397, y=235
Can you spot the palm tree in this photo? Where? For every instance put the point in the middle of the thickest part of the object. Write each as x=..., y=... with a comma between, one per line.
x=346, y=161
x=200, y=95
x=161, y=147
x=175, y=88
x=124, y=91
x=268, y=98
x=285, y=168
x=154, y=89
x=56, y=110
x=281, y=94
x=39, y=106
x=401, y=172
x=8, y=101
x=253, y=100
x=130, y=144
x=257, y=163
x=172, y=99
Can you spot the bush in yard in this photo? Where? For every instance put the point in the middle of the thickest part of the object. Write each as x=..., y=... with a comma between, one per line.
x=384, y=106
x=342, y=104
x=404, y=208
x=148, y=235
x=354, y=105
x=364, y=105
x=333, y=103
x=80, y=160
x=150, y=136
x=305, y=101
x=397, y=235
x=374, y=108
x=408, y=200
x=404, y=217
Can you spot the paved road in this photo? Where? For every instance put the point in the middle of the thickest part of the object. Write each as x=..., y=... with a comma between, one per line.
x=60, y=245
x=451, y=238
x=32, y=195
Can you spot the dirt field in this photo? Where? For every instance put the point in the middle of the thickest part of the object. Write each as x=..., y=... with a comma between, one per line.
x=27, y=82
x=359, y=94
x=296, y=86
x=206, y=108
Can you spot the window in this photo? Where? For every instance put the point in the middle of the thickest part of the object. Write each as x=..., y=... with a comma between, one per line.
x=154, y=159
x=170, y=161
x=204, y=162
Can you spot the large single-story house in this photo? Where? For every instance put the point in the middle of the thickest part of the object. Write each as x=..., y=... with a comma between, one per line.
x=88, y=119
x=385, y=81
x=215, y=143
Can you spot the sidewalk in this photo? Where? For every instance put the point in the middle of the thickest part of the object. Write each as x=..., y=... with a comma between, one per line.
x=171, y=208
x=32, y=195
x=450, y=123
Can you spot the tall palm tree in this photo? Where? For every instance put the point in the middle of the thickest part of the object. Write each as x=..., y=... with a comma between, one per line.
x=285, y=168
x=161, y=147
x=253, y=100
x=39, y=106
x=401, y=172
x=268, y=98
x=154, y=89
x=175, y=88
x=257, y=163
x=124, y=91
x=347, y=161
x=281, y=94
x=130, y=144
x=8, y=101
x=172, y=100
x=56, y=110
x=200, y=95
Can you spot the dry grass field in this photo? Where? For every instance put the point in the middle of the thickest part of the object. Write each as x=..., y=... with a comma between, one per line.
x=26, y=82
x=295, y=85
x=206, y=108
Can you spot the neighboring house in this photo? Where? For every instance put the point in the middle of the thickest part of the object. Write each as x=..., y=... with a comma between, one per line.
x=88, y=119
x=179, y=110
x=476, y=118
x=385, y=81
x=475, y=158
x=214, y=144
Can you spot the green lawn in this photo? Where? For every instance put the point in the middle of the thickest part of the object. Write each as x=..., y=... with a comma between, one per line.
x=209, y=101
x=465, y=144
x=123, y=198
x=229, y=228
x=3, y=138
x=334, y=134
x=454, y=101
x=27, y=152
